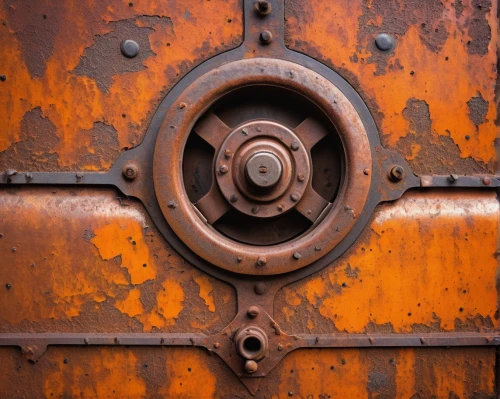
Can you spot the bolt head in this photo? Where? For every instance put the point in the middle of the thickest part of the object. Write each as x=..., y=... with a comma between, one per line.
x=263, y=7
x=486, y=181
x=3, y=78
x=233, y=198
x=301, y=177
x=260, y=288
x=366, y=171
x=223, y=169
x=294, y=146
x=452, y=178
x=251, y=366
x=397, y=173
x=384, y=42
x=266, y=37
x=228, y=153
x=129, y=48
x=297, y=256
x=216, y=345
x=294, y=197
x=281, y=207
x=253, y=311
x=130, y=171
x=261, y=261
x=8, y=286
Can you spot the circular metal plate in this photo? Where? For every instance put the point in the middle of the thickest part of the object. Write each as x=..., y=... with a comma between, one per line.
x=336, y=221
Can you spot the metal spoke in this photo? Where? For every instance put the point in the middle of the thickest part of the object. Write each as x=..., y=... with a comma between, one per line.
x=213, y=205
x=312, y=204
x=310, y=132
x=211, y=129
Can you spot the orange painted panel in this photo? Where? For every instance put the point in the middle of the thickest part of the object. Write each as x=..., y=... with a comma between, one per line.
x=433, y=97
x=426, y=262
x=65, y=72
x=87, y=261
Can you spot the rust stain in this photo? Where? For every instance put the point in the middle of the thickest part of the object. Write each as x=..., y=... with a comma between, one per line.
x=114, y=377
x=425, y=263
x=44, y=43
x=445, y=54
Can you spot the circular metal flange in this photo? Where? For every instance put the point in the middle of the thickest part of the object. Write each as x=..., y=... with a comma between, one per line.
x=263, y=137
x=336, y=222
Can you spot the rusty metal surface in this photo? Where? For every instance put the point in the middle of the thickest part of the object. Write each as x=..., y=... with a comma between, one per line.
x=421, y=274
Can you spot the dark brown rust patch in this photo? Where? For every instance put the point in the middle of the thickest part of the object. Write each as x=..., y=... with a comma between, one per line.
x=382, y=375
x=459, y=8
x=478, y=108
x=103, y=139
x=35, y=150
x=35, y=26
x=104, y=59
x=436, y=154
x=478, y=28
x=395, y=18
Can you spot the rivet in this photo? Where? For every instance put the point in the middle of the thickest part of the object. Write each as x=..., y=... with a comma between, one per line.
x=266, y=37
x=79, y=176
x=281, y=207
x=255, y=209
x=384, y=42
x=280, y=347
x=228, y=153
x=65, y=361
x=317, y=248
x=486, y=181
x=86, y=340
x=258, y=129
x=297, y=256
x=260, y=288
x=223, y=169
x=245, y=132
x=130, y=171
x=253, y=311
x=182, y=105
x=452, y=178
x=29, y=176
x=216, y=345
x=3, y=78
x=366, y=171
x=294, y=197
x=8, y=286
x=239, y=259
x=172, y=204
x=263, y=7
x=129, y=48
x=261, y=261
x=233, y=198
x=301, y=177
x=294, y=146
x=397, y=173
x=14, y=249
x=290, y=393
x=117, y=340
x=251, y=366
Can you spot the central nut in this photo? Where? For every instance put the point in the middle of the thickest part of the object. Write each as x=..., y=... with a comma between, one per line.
x=264, y=170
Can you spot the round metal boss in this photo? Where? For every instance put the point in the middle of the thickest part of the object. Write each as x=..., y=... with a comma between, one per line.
x=262, y=169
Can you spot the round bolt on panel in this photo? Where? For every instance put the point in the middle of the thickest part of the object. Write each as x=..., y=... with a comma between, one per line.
x=253, y=311
x=260, y=288
x=397, y=173
x=130, y=171
x=129, y=48
x=251, y=366
x=266, y=37
x=263, y=7
x=384, y=42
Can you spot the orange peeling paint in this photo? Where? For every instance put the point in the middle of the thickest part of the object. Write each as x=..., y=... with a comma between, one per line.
x=188, y=376
x=205, y=290
x=427, y=259
x=126, y=239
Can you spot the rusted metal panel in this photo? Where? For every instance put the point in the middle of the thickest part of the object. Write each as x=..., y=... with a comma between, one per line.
x=191, y=373
x=87, y=261
x=69, y=100
x=434, y=94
